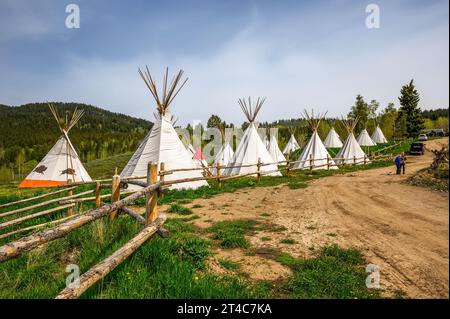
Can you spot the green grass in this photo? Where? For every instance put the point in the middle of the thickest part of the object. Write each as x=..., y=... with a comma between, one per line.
x=274, y=228
x=104, y=168
x=334, y=273
x=288, y=241
x=41, y=272
x=184, y=201
x=173, y=268
x=190, y=218
x=265, y=214
x=229, y=264
x=266, y=239
x=197, y=206
x=331, y=234
x=180, y=210
x=297, y=185
x=10, y=193
x=230, y=234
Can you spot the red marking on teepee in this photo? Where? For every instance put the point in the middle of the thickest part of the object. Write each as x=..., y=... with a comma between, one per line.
x=198, y=155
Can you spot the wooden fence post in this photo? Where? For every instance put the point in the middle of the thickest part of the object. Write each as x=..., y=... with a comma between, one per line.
x=115, y=192
x=97, y=194
x=219, y=182
x=70, y=209
x=151, y=200
x=162, y=168
x=258, y=169
x=311, y=162
x=328, y=162
x=354, y=160
x=365, y=161
x=288, y=166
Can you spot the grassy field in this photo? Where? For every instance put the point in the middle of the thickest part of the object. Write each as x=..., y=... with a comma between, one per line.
x=104, y=168
x=176, y=267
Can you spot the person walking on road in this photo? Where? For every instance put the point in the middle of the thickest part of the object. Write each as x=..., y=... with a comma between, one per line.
x=403, y=162
x=398, y=163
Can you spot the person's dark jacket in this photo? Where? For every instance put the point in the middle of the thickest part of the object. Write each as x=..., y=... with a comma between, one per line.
x=398, y=160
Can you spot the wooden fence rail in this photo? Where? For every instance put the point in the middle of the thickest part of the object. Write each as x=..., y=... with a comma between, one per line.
x=36, y=197
x=23, y=219
x=25, y=229
x=103, y=268
x=16, y=248
x=54, y=200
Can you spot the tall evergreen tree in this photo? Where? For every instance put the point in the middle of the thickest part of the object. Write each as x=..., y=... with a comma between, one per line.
x=214, y=121
x=360, y=110
x=409, y=110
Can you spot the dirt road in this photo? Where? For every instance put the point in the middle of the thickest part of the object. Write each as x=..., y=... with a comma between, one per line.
x=402, y=229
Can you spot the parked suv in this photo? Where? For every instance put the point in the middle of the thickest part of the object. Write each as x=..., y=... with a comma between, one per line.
x=417, y=148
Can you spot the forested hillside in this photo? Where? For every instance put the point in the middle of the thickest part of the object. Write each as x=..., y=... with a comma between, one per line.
x=27, y=133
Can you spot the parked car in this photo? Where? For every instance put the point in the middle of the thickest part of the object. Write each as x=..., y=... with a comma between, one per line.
x=435, y=132
x=423, y=137
x=438, y=132
x=417, y=148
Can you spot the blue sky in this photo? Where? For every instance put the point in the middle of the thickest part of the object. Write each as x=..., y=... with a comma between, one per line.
x=299, y=54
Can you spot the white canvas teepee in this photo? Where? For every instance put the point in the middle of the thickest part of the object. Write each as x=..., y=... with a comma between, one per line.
x=292, y=144
x=314, y=152
x=61, y=165
x=274, y=150
x=162, y=143
x=190, y=148
x=224, y=156
x=364, y=139
x=351, y=152
x=378, y=136
x=251, y=147
x=332, y=139
x=266, y=142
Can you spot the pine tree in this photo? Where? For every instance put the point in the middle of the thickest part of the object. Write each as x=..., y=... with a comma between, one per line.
x=360, y=110
x=214, y=121
x=409, y=109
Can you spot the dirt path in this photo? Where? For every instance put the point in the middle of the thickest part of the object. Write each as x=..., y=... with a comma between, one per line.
x=401, y=228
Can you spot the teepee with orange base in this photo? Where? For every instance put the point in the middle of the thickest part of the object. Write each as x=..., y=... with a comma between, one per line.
x=61, y=165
